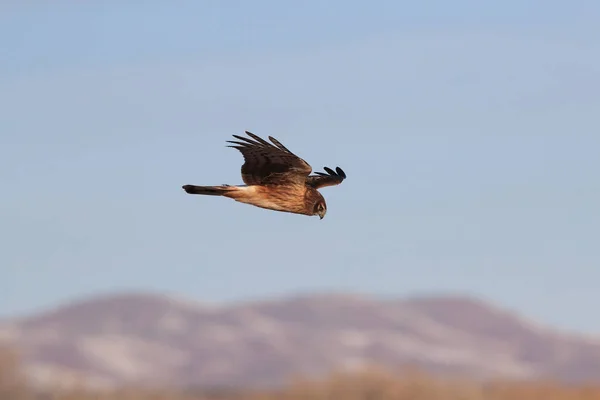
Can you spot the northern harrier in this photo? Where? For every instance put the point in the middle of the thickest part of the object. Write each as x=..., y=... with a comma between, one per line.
x=275, y=179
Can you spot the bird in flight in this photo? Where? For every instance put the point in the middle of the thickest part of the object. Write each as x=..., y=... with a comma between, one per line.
x=275, y=179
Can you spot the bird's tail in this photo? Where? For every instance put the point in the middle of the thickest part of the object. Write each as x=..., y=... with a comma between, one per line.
x=208, y=190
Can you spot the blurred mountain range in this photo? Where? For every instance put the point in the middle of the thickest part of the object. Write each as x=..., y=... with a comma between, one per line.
x=153, y=339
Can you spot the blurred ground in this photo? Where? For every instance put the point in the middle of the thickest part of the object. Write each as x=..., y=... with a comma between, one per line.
x=371, y=384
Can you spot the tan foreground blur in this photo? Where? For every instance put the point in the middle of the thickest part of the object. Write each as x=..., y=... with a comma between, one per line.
x=372, y=385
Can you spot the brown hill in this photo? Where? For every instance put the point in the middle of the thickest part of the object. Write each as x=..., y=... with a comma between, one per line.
x=161, y=340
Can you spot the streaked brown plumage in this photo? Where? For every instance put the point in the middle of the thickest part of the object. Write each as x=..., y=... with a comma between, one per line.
x=275, y=179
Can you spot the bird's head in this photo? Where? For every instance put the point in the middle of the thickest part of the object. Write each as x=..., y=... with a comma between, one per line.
x=320, y=208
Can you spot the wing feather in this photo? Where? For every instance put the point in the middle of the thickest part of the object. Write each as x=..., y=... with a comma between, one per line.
x=330, y=178
x=269, y=164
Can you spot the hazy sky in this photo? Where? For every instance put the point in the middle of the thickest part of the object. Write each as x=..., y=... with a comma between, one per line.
x=469, y=132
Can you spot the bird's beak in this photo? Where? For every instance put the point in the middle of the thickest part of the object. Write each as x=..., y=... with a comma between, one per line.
x=321, y=216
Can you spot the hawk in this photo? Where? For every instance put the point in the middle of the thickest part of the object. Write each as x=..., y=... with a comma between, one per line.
x=275, y=179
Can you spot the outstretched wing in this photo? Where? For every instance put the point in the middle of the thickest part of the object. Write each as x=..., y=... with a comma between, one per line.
x=331, y=178
x=269, y=164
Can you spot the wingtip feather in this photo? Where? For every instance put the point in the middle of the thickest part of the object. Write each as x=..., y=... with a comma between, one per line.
x=258, y=138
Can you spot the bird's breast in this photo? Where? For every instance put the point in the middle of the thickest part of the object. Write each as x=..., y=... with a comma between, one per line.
x=281, y=198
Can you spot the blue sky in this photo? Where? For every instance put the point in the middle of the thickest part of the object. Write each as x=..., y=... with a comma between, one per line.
x=468, y=131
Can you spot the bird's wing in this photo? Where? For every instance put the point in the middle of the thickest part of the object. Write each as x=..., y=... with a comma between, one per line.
x=266, y=163
x=330, y=178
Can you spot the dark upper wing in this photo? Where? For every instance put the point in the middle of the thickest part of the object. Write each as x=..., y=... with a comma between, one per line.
x=331, y=178
x=267, y=163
